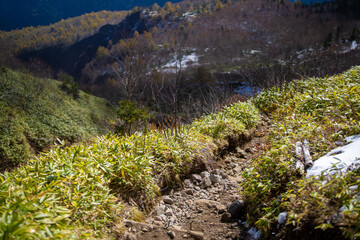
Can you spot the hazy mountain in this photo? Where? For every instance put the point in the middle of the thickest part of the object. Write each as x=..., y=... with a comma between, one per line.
x=22, y=13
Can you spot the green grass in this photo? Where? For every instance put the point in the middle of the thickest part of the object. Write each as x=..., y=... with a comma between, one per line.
x=322, y=111
x=35, y=112
x=76, y=192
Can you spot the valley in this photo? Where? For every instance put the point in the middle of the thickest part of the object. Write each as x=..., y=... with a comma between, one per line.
x=203, y=119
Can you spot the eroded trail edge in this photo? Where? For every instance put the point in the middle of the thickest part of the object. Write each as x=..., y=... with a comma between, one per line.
x=207, y=205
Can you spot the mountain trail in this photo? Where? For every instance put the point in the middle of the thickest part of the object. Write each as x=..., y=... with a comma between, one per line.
x=208, y=205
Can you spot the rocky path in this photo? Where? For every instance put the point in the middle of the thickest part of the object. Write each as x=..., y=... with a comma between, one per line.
x=208, y=205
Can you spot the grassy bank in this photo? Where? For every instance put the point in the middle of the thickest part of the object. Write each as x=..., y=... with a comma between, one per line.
x=322, y=111
x=77, y=192
x=35, y=112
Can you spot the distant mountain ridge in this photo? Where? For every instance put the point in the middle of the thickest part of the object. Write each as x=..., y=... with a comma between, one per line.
x=22, y=13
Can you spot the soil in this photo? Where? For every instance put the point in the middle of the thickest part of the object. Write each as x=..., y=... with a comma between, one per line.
x=208, y=205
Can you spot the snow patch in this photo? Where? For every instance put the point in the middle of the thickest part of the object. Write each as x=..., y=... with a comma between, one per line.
x=337, y=160
x=254, y=234
x=354, y=45
x=186, y=61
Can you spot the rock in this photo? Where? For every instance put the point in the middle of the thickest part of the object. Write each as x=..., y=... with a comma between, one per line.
x=128, y=223
x=197, y=188
x=171, y=234
x=206, y=182
x=339, y=144
x=188, y=184
x=168, y=200
x=146, y=229
x=195, y=177
x=220, y=208
x=197, y=235
x=282, y=218
x=160, y=210
x=158, y=218
x=233, y=165
x=216, y=171
x=240, y=153
x=223, y=175
x=226, y=217
x=130, y=236
x=237, y=209
x=231, y=235
x=215, y=178
x=189, y=191
x=205, y=174
x=164, y=218
x=169, y=212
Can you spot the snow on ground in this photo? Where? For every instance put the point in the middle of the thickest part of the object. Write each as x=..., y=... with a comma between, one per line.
x=338, y=160
x=186, y=61
x=354, y=45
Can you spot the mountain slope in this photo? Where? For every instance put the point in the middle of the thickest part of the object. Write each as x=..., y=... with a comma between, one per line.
x=19, y=14
x=85, y=188
x=35, y=112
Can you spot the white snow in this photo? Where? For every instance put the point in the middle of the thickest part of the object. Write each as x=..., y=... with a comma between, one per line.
x=254, y=51
x=254, y=234
x=353, y=45
x=186, y=61
x=337, y=160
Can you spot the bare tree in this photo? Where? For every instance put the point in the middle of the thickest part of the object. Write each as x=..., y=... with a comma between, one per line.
x=132, y=62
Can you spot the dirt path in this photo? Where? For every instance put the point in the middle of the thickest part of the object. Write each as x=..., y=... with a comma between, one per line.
x=208, y=205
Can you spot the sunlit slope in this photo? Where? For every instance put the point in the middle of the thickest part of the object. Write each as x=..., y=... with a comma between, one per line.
x=35, y=112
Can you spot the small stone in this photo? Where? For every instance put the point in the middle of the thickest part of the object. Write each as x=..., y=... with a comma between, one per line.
x=205, y=174
x=168, y=200
x=240, y=153
x=128, y=223
x=158, y=218
x=223, y=175
x=197, y=188
x=231, y=235
x=197, y=235
x=215, y=178
x=233, y=165
x=196, y=177
x=339, y=144
x=171, y=234
x=226, y=217
x=216, y=171
x=249, y=150
x=146, y=229
x=237, y=209
x=169, y=212
x=206, y=182
x=157, y=223
x=189, y=191
x=160, y=210
x=282, y=218
x=130, y=236
x=220, y=208
x=188, y=183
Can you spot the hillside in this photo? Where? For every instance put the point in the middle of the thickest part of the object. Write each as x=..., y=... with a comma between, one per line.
x=89, y=189
x=38, y=113
x=258, y=43
x=20, y=14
